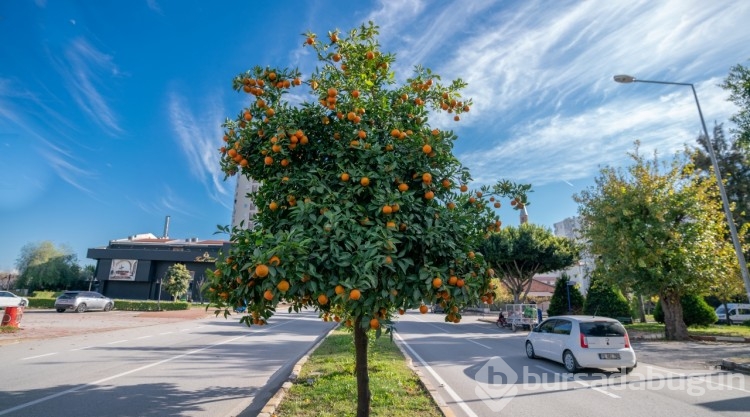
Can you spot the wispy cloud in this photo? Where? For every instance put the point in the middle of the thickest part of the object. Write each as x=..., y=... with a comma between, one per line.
x=540, y=73
x=86, y=71
x=199, y=140
x=154, y=5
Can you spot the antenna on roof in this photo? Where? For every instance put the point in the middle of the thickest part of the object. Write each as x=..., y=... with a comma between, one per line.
x=166, y=228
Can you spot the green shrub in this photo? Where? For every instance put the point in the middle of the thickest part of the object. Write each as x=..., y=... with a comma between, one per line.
x=695, y=311
x=605, y=300
x=746, y=323
x=123, y=305
x=45, y=294
x=150, y=305
x=39, y=302
x=559, y=303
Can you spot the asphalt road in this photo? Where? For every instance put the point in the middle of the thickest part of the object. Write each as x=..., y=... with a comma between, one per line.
x=207, y=367
x=457, y=359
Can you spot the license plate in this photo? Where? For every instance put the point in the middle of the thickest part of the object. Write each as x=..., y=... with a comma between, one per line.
x=609, y=356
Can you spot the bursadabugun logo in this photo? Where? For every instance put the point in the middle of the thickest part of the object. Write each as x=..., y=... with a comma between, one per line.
x=496, y=383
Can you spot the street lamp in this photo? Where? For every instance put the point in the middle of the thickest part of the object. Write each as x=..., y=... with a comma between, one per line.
x=627, y=79
x=568, y=285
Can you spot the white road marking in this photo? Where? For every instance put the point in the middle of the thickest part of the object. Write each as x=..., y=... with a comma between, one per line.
x=185, y=330
x=477, y=343
x=440, y=381
x=103, y=380
x=165, y=333
x=117, y=341
x=39, y=356
x=82, y=348
x=144, y=337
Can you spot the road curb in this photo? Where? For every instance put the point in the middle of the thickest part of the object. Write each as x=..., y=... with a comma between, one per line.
x=269, y=409
x=732, y=365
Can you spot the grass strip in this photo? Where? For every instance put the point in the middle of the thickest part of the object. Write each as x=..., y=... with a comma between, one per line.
x=712, y=330
x=327, y=386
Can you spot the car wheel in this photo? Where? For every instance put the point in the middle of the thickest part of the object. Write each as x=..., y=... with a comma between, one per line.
x=530, y=350
x=22, y=304
x=60, y=310
x=81, y=308
x=108, y=307
x=569, y=361
x=626, y=370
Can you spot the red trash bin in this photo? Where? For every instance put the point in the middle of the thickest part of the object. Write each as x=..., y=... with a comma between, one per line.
x=12, y=316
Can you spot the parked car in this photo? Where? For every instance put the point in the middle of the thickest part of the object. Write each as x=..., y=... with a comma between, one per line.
x=738, y=313
x=8, y=299
x=81, y=301
x=582, y=342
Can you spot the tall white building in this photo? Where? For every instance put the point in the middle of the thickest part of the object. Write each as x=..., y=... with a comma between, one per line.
x=579, y=273
x=244, y=207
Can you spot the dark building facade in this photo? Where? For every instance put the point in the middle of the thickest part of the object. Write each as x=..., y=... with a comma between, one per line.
x=133, y=268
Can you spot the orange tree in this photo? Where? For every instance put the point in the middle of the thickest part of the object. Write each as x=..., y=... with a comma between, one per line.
x=364, y=210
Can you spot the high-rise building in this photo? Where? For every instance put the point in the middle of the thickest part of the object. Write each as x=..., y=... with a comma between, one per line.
x=244, y=208
x=580, y=272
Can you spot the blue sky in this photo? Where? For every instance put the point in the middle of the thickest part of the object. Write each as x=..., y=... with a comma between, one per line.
x=111, y=112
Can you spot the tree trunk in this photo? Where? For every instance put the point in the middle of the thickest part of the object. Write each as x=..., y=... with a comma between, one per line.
x=674, y=325
x=726, y=310
x=641, y=308
x=360, y=368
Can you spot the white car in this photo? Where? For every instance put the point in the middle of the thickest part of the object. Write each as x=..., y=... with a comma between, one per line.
x=582, y=342
x=738, y=313
x=8, y=299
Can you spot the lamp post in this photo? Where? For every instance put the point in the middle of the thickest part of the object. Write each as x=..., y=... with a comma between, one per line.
x=568, y=285
x=627, y=79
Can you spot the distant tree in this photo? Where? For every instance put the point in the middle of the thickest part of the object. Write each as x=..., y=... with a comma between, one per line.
x=42, y=266
x=519, y=253
x=567, y=299
x=734, y=164
x=696, y=311
x=738, y=85
x=604, y=299
x=177, y=280
x=657, y=233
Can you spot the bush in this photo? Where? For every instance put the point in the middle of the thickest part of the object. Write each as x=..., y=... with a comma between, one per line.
x=150, y=305
x=559, y=303
x=695, y=311
x=123, y=305
x=38, y=302
x=605, y=300
x=746, y=323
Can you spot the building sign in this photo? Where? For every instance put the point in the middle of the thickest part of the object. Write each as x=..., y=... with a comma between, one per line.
x=123, y=270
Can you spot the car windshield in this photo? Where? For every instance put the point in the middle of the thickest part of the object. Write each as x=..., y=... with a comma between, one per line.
x=69, y=295
x=720, y=310
x=5, y=294
x=602, y=329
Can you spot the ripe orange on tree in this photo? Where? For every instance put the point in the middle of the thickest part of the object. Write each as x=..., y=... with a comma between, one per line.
x=339, y=289
x=322, y=299
x=268, y=295
x=437, y=282
x=261, y=271
x=355, y=294
x=364, y=181
x=423, y=309
x=374, y=324
x=283, y=285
